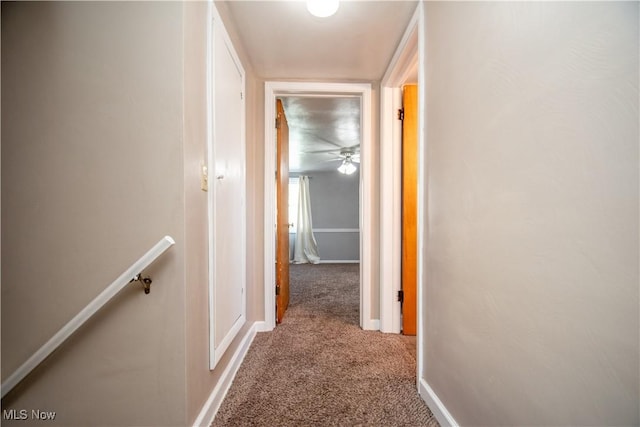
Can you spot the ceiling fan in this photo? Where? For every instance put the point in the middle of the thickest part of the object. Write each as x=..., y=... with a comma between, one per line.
x=346, y=155
x=353, y=151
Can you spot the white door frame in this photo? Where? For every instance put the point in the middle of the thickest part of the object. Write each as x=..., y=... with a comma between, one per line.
x=403, y=63
x=410, y=51
x=274, y=89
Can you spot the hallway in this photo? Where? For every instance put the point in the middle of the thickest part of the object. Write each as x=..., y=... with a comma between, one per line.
x=124, y=122
x=319, y=368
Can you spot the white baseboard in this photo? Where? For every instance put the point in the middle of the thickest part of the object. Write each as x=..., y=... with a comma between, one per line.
x=371, y=325
x=211, y=406
x=261, y=326
x=334, y=261
x=435, y=404
x=339, y=261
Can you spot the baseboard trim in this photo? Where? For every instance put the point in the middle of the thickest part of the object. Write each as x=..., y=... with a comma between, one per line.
x=339, y=261
x=371, y=325
x=334, y=261
x=211, y=406
x=434, y=403
x=261, y=326
x=336, y=230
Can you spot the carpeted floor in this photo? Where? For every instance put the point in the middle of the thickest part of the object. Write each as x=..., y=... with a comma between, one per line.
x=318, y=368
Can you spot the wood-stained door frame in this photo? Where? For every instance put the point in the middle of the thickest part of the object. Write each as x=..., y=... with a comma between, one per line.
x=273, y=89
x=282, y=212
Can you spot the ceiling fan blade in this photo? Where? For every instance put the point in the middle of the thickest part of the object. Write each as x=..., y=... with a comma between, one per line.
x=314, y=135
x=337, y=151
x=335, y=159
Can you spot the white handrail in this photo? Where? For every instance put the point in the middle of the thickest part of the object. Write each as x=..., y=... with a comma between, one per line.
x=98, y=302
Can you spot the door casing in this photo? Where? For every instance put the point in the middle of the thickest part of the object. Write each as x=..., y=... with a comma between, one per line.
x=273, y=89
x=401, y=66
x=410, y=51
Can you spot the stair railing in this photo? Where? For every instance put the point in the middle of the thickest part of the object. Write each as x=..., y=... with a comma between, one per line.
x=132, y=274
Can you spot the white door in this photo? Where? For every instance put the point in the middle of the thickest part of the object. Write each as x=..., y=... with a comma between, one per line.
x=227, y=196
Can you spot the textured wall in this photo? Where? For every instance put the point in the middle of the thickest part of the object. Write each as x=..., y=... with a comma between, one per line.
x=532, y=277
x=91, y=179
x=335, y=199
x=196, y=220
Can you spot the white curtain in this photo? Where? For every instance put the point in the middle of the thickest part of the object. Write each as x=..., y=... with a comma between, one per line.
x=305, y=248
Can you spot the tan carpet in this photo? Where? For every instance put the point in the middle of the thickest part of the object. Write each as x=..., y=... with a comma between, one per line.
x=318, y=368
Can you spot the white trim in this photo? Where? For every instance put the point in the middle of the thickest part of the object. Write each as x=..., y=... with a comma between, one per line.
x=372, y=325
x=219, y=351
x=216, y=26
x=390, y=212
x=209, y=154
x=339, y=261
x=422, y=189
x=367, y=177
x=211, y=406
x=317, y=89
x=269, y=211
x=332, y=230
x=405, y=55
x=336, y=230
x=438, y=409
x=403, y=61
x=261, y=326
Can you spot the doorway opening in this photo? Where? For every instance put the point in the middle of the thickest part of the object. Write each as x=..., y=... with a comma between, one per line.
x=324, y=159
x=324, y=136
x=300, y=90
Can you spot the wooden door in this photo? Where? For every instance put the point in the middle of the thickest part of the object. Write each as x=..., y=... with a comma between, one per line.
x=282, y=215
x=409, y=208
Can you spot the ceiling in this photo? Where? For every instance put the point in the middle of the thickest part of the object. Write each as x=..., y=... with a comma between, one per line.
x=320, y=128
x=283, y=41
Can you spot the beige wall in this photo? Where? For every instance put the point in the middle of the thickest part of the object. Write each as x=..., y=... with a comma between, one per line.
x=196, y=219
x=532, y=166
x=92, y=177
x=255, y=198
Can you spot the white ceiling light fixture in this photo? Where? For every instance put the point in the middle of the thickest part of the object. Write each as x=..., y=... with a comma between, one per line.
x=322, y=8
x=347, y=167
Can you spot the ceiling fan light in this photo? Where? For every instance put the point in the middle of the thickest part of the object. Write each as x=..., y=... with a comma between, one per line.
x=347, y=167
x=322, y=8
